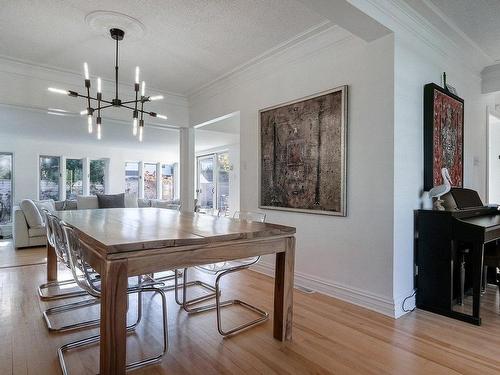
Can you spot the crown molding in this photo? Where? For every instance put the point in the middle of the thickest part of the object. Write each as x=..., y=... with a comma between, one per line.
x=301, y=49
x=456, y=29
x=407, y=22
x=309, y=33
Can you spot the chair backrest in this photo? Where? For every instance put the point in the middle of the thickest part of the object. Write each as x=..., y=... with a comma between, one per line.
x=48, y=227
x=59, y=243
x=77, y=263
x=250, y=216
x=210, y=211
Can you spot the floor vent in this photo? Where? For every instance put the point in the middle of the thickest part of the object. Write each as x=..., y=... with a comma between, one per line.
x=305, y=290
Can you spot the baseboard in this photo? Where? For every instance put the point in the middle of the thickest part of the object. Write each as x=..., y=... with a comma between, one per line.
x=358, y=297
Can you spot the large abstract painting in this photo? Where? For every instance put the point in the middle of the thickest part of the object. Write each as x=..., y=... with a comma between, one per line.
x=443, y=136
x=303, y=154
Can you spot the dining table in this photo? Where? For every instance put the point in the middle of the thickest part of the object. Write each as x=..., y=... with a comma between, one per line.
x=125, y=242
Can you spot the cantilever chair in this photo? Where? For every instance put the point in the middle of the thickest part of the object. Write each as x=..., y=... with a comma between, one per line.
x=220, y=270
x=56, y=235
x=58, y=245
x=79, y=267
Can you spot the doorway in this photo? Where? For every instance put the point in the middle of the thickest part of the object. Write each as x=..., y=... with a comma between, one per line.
x=493, y=158
x=217, y=178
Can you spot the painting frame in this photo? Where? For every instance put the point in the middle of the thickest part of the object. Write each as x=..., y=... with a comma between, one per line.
x=343, y=151
x=429, y=135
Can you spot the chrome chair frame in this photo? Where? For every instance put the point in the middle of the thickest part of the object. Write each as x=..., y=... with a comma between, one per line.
x=57, y=237
x=220, y=272
x=61, y=257
x=77, y=263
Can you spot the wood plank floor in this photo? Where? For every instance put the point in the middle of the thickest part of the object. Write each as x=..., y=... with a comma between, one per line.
x=10, y=257
x=330, y=336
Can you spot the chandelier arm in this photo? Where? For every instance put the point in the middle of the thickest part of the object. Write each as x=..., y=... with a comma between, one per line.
x=106, y=106
x=132, y=109
x=131, y=101
x=91, y=98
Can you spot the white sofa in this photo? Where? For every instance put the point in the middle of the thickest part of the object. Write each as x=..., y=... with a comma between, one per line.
x=29, y=228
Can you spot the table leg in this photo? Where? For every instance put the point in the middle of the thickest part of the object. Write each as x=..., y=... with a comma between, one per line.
x=283, y=292
x=51, y=263
x=477, y=269
x=113, y=317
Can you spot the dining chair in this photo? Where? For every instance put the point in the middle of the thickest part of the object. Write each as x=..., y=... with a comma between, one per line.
x=58, y=246
x=220, y=270
x=79, y=267
x=58, y=241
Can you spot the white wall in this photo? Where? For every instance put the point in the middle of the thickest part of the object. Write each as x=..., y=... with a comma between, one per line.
x=349, y=257
x=416, y=64
x=494, y=160
x=29, y=134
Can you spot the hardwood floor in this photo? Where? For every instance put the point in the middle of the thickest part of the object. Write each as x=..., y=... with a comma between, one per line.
x=10, y=257
x=329, y=337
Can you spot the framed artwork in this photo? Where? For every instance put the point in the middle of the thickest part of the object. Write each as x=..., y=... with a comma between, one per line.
x=303, y=148
x=443, y=136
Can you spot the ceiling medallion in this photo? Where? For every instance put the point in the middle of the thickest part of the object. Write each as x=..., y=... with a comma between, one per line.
x=98, y=103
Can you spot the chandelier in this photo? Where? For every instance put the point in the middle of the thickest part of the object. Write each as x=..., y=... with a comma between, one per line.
x=98, y=103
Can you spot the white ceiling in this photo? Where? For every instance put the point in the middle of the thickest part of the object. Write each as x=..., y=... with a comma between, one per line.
x=478, y=19
x=186, y=44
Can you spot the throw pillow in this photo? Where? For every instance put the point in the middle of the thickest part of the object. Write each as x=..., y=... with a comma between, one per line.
x=111, y=200
x=31, y=213
x=86, y=202
x=131, y=201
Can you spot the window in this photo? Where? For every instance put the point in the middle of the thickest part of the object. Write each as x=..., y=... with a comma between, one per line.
x=223, y=167
x=213, y=182
x=132, y=178
x=206, y=184
x=97, y=176
x=150, y=181
x=5, y=188
x=74, y=178
x=50, y=177
x=167, y=181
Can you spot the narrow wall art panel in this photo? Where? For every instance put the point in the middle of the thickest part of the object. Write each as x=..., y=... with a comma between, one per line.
x=443, y=136
x=303, y=150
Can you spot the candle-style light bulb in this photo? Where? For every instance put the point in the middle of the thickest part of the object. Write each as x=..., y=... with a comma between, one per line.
x=134, y=129
x=58, y=91
x=86, y=70
x=99, y=131
x=89, y=122
x=143, y=88
x=156, y=97
x=140, y=133
x=163, y=117
x=137, y=74
x=99, y=85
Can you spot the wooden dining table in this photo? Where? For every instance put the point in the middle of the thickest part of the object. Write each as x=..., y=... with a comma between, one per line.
x=124, y=242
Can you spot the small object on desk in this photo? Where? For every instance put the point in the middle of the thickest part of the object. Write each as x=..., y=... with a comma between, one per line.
x=438, y=191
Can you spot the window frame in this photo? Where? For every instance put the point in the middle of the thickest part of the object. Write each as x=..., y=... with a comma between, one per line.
x=60, y=180
x=106, y=174
x=215, y=154
x=12, y=187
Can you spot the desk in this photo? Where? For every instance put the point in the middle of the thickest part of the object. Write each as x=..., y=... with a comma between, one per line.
x=124, y=242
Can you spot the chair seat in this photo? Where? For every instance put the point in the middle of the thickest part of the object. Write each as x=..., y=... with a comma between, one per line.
x=132, y=281
x=215, y=268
